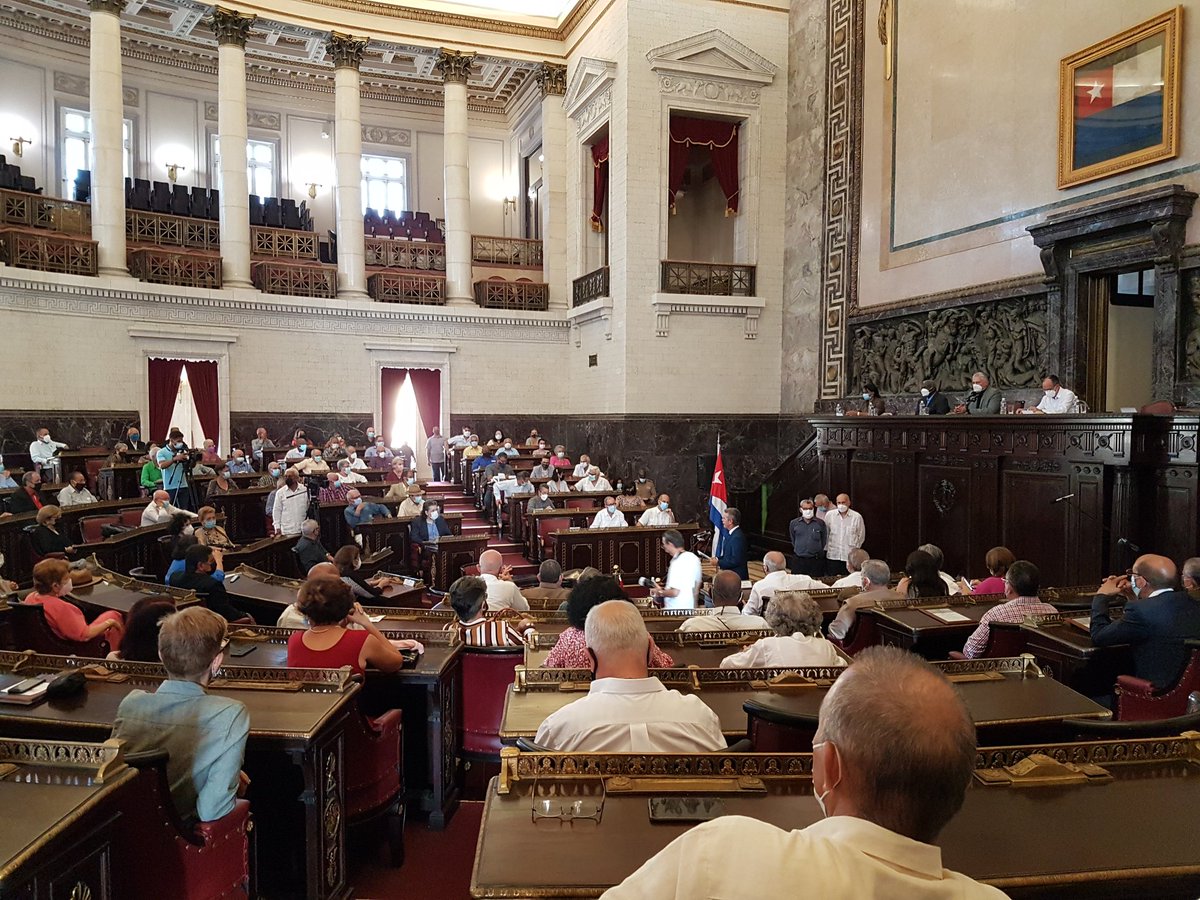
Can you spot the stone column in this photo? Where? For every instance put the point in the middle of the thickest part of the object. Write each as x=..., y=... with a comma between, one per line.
x=346, y=53
x=231, y=29
x=455, y=67
x=552, y=79
x=107, y=112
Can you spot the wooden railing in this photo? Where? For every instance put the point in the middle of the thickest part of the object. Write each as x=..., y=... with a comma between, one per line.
x=407, y=287
x=294, y=278
x=179, y=267
x=166, y=230
x=590, y=286
x=521, y=295
x=396, y=254
x=711, y=279
x=35, y=211
x=48, y=252
x=282, y=243
x=505, y=251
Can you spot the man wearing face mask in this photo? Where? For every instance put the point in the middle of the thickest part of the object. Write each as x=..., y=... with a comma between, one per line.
x=172, y=460
x=594, y=483
x=160, y=510
x=644, y=486
x=609, y=516
x=43, y=451
x=359, y=511
x=659, y=515
x=893, y=755
x=133, y=440
x=238, y=464
x=299, y=451
x=333, y=491
x=315, y=465
x=542, y=500
x=809, y=536
x=984, y=399
x=777, y=578
x=76, y=492
x=543, y=469
x=1056, y=399
x=933, y=400
x=581, y=469
x=461, y=441
x=260, y=443
x=270, y=478
x=846, y=530
x=378, y=455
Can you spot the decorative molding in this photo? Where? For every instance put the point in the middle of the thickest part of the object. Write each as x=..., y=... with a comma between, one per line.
x=346, y=51
x=383, y=134
x=454, y=66
x=709, y=89
x=116, y=7
x=551, y=79
x=129, y=96
x=748, y=308
x=592, y=82
x=713, y=56
x=843, y=177
x=80, y=86
x=230, y=26
x=599, y=309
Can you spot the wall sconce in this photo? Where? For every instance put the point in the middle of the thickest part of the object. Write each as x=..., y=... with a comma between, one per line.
x=173, y=170
x=18, y=145
x=510, y=205
x=312, y=190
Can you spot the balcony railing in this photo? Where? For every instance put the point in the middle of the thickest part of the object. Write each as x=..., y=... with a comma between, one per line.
x=711, y=279
x=496, y=293
x=282, y=243
x=504, y=251
x=35, y=211
x=589, y=287
x=166, y=230
x=294, y=278
x=395, y=254
x=182, y=268
x=406, y=287
x=47, y=251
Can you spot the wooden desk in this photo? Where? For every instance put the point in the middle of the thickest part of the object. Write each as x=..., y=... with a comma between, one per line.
x=634, y=551
x=293, y=757
x=269, y=554
x=706, y=657
x=517, y=507
x=450, y=555
x=120, y=482
x=1067, y=653
x=916, y=629
x=394, y=533
x=1139, y=840
x=118, y=592
x=245, y=514
x=136, y=548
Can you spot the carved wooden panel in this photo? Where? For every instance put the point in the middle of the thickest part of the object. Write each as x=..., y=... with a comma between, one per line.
x=945, y=512
x=1033, y=526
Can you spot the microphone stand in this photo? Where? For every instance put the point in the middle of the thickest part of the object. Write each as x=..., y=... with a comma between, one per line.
x=1122, y=542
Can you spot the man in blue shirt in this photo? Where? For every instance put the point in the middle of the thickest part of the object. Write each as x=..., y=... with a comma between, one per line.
x=359, y=511
x=172, y=459
x=238, y=464
x=204, y=735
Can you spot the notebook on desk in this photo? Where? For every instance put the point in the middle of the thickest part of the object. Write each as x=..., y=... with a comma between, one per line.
x=28, y=694
x=1084, y=623
x=944, y=614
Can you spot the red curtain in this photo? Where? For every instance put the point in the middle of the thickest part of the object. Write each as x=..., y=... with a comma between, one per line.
x=202, y=376
x=427, y=385
x=390, y=382
x=599, y=182
x=721, y=139
x=164, y=388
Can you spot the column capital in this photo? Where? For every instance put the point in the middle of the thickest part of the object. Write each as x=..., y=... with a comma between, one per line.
x=454, y=66
x=552, y=79
x=116, y=7
x=230, y=26
x=345, y=50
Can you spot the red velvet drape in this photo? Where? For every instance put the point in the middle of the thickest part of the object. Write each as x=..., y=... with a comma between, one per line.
x=427, y=385
x=721, y=139
x=164, y=388
x=202, y=376
x=599, y=182
x=390, y=382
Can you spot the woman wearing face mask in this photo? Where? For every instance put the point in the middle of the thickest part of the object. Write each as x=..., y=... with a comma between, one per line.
x=428, y=527
x=210, y=456
x=291, y=504
x=51, y=582
x=873, y=404
x=222, y=484
x=348, y=559
x=210, y=533
x=115, y=458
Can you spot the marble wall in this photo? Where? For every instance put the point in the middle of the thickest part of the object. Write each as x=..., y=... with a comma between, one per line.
x=317, y=426
x=82, y=428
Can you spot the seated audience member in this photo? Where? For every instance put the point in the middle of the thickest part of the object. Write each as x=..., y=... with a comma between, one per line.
x=117, y=458
x=933, y=400
x=160, y=510
x=348, y=560
x=523, y=485
x=798, y=641
x=501, y=592
x=876, y=574
x=209, y=455
x=543, y=469
x=76, y=492
x=290, y=506
x=52, y=582
x=549, y=586
x=47, y=540
x=1056, y=399
x=499, y=467
x=559, y=458
x=239, y=464
x=506, y=449
x=1158, y=619
x=222, y=484
x=1021, y=594
x=541, y=451
x=581, y=469
x=291, y=617
x=726, y=615
x=984, y=399
x=732, y=552
x=626, y=709
x=204, y=735
x=309, y=550
x=609, y=516
x=199, y=565
x=921, y=577
x=426, y=528
x=210, y=534
x=333, y=491
x=402, y=488
x=413, y=503
x=329, y=606
x=472, y=451
x=202, y=469
x=299, y=451
x=397, y=473
x=644, y=485
x=628, y=500
x=557, y=484
x=542, y=500
x=684, y=574
x=355, y=462
x=468, y=599
x=591, y=589
x=1189, y=575
x=348, y=475
x=777, y=578
x=6, y=479
x=998, y=560
x=809, y=537
x=594, y=483
x=461, y=441
x=952, y=586
x=659, y=515
x=533, y=439
x=893, y=755
x=151, y=475
x=133, y=440
x=27, y=498
x=873, y=404
x=140, y=643
x=854, y=560
x=371, y=435
x=378, y=455
x=180, y=545
x=484, y=461
x=270, y=477
x=260, y=443
x=315, y=465
x=333, y=448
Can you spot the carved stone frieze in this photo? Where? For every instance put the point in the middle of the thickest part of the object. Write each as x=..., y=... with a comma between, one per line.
x=80, y=85
x=552, y=79
x=382, y=134
x=599, y=107
x=265, y=119
x=230, y=26
x=709, y=89
x=454, y=66
x=344, y=50
x=1005, y=339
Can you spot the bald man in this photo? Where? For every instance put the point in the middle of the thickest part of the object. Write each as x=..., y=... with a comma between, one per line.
x=160, y=510
x=778, y=578
x=1158, y=619
x=501, y=592
x=893, y=755
x=291, y=617
x=727, y=613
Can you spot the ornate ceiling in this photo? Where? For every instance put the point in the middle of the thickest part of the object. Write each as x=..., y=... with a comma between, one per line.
x=174, y=32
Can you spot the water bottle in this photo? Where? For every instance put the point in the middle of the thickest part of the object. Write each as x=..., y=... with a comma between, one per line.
x=922, y=408
x=1003, y=406
x=871, y=411
x=839, y=410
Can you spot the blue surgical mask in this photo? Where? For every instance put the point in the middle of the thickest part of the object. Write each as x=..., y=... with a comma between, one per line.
x=418, y=500
x=135, y=437
x=274, y=473
x=866, y=396
x=1137, y=592
x=610, y=508
x=302, y=447
x=212, y=523
x=664, y=506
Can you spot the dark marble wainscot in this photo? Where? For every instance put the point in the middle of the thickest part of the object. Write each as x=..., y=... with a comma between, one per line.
x=75, y=428
x=318, y=427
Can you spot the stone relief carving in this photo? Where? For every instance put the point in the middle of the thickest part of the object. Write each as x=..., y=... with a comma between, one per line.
x=709, y=89
x=1006, y=339
x=1191, y=331
x=379, y=134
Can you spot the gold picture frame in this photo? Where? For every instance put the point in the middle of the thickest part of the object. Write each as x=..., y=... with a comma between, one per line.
x=1119, y=102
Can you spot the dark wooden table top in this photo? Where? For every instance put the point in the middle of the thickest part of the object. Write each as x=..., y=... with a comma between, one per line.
x=101, y=595
x=686, y=655
x=923, y=620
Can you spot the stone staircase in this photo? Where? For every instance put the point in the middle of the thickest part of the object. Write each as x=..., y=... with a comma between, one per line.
x=452, y=499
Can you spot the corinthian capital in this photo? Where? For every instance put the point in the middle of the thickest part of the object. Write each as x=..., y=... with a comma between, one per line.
x=116, y=7
x=454, y=66
x=345, y=50
x=230, y=26
x=552, y=79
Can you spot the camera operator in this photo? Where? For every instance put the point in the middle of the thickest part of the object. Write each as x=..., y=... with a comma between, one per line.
x=175, y=461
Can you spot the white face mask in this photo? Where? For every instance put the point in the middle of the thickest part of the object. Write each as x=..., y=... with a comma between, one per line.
x=188, y=529
x=924, y=392
x=433, y=514
x=977, y=388
x=1050, y=393
x=46, y=438
x=820, y=798
x=843, y=507
x=808, y=513
x=544, y=496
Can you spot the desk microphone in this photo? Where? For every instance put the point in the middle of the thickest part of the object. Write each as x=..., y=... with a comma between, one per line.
x=1062, y=498
x=1125, y=542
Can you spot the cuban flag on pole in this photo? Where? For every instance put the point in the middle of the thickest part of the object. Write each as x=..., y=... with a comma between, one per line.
x=717, y=501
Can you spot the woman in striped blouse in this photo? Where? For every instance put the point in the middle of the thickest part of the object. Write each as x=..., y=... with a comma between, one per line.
x=468, y=596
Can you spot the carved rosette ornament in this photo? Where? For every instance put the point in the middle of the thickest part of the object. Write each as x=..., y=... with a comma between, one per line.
x=345, y=50
x=454, y=66
x=116, y=7
x=552, y=79
x=231, y=26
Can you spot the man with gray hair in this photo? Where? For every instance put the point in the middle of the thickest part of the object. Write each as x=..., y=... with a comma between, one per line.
x=939, y=560
x=549, y=586
x=854, y=560
x=893, y=756
x=727, y=615
x=626, y=710
x=984, y=399
x=309, y=550
x=778, y=578
x=876, y=575
x=1189, y=572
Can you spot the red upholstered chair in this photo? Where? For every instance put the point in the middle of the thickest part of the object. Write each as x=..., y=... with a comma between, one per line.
x=89, y=527
x=486, y=674
x=92, y=472
x=374, y=776
x=1137, y=700
x=865, y=633
x=31, y=631
x=546, y=529
x=1005, y=639
x=773, y=731
x=131, y=518
x=157, y=856
x=581, y=503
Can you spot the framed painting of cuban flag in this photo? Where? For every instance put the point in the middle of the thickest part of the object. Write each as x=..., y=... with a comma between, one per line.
x=1119, y=102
